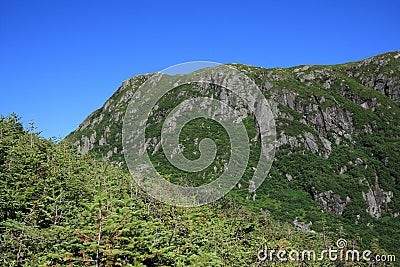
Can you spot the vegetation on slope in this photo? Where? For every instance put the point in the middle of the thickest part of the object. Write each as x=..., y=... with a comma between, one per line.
x=337, y=160
x=61, y=208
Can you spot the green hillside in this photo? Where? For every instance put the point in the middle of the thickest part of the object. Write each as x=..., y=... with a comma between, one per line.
x=337, y=153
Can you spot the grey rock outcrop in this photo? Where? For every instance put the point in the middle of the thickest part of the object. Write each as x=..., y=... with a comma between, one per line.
x=376, y=198
x=331, y=202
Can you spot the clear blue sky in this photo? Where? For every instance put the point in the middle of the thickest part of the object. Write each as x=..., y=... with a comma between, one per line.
x=61, y=60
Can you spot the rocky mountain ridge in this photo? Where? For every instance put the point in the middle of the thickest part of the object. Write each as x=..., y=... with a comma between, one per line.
x=337, y=135
x=374, y=73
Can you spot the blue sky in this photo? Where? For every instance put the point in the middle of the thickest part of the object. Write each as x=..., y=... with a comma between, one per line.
x=61, y=60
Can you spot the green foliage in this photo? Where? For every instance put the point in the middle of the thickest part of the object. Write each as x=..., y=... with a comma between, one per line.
x=60, y=208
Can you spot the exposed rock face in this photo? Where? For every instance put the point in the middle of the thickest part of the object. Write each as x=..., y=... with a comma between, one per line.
x=101, y=130
x=289, y=177
x=378, y=73
x=331, y=202
x=376, y=198
x=88, y=143
x=302, y=226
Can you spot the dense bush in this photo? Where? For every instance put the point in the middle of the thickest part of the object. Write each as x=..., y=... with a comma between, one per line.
x=60, y=208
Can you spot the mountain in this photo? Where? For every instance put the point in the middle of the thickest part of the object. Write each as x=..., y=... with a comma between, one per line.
x=337, y=160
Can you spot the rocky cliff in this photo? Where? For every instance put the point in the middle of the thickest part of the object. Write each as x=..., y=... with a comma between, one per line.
x=337, y=146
